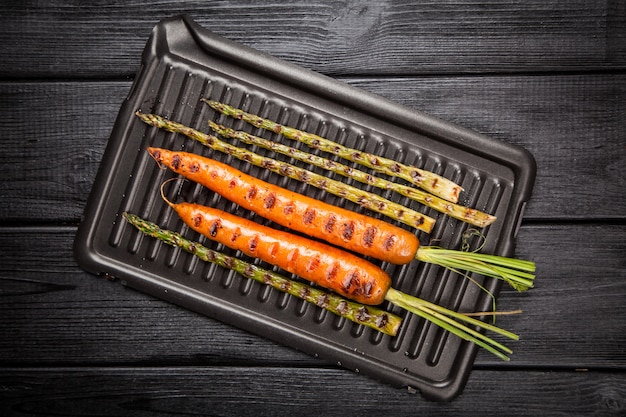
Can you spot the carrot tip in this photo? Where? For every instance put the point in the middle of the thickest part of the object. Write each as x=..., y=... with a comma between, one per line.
x=169, y=203
x=155, y=153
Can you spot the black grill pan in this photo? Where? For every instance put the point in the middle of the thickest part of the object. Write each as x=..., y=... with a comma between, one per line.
x=182, y=63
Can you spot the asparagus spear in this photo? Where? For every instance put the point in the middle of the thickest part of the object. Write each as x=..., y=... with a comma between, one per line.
x=466, y=214
x=369, y=316
x=426, y=180
x=365, y=199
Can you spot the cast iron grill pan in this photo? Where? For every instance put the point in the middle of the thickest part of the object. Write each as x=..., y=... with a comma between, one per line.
x=183, y=63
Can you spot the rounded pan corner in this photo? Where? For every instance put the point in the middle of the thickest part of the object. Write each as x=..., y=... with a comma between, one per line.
x=84, y=253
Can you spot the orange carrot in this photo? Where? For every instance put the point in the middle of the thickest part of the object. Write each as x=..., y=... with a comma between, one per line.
x=328, y=266
x=344, y=228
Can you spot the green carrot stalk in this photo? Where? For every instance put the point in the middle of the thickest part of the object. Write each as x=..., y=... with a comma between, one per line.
x=363, y=198
x=429, y=181
x=452, y=321
x=466, y=214
x=369, y=316
x=518, y=273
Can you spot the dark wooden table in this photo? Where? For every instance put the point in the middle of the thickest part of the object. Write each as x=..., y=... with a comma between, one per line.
x=549, y=76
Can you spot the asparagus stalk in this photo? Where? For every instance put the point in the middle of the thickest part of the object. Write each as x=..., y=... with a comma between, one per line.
x=466, y=214
x=369, y=316
x=365, y=199
x=429, y=181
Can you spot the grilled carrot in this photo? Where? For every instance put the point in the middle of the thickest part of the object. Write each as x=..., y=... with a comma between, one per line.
x=326, y=265
x=356, y=232
x=307, y=215
x=330, y=267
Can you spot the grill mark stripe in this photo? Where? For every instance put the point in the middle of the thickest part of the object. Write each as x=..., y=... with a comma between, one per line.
x=348, y=230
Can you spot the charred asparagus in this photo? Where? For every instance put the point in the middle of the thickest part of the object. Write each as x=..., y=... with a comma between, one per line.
x=429, y=181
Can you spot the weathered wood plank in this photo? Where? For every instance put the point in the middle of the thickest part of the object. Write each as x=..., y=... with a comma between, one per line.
x=574, y=125
x=550, y=76
x=247, y=391
x=53, y=313
x=56, y=134
x=574, y=317
x=75, y=39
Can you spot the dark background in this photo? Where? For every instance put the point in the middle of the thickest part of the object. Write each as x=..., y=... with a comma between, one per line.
x=547, y=75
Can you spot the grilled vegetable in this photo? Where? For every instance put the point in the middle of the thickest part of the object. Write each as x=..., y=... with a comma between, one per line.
x=344, y=273
x=369, y=316
x=366, y=200
x=466, y=214
x=307, y=215
x=431, y=182
x=356, y=232
x=330, y=267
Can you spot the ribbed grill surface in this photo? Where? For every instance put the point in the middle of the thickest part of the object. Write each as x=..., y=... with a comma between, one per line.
x=172, y=88
x=178, y=97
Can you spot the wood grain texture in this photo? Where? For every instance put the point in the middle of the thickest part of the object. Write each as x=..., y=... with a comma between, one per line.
x=56, y=133
x=54, y=313
x=77, y=39
x=221, y=391
x=574, y=125
x=547, y=75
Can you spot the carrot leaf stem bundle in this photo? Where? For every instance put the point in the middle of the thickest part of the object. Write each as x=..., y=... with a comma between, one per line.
x=453, y=322
x=426, y=180
x=466, y=214
x=369, y=316
x=518, y=273
x=365, y=199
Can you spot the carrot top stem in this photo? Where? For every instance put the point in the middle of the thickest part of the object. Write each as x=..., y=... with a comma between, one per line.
x=518, y=273
x=429, y=181
x=369, y=316
x=453, y=322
